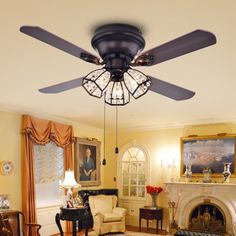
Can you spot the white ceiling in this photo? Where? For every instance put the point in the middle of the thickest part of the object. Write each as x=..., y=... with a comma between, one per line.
x=28, y=64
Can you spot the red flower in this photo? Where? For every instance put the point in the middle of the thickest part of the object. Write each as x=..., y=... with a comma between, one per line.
x=153, y=189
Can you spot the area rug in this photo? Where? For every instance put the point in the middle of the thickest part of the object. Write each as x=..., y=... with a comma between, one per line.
x=128, y=233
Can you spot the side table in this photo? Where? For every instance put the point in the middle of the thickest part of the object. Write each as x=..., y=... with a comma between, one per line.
x=150, y=213
x=74, y=215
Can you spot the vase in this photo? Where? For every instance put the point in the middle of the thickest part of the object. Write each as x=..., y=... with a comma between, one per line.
x=188, y=173
x=226, y=173
x=154, y=199
x=206, y=175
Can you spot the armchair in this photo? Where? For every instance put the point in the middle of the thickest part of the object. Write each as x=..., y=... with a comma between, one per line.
x=106, y=216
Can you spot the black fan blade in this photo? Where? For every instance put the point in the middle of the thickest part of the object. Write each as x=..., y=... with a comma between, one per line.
x=185, y=44
x=57, y=42
x=57, y=88
x=170, y=90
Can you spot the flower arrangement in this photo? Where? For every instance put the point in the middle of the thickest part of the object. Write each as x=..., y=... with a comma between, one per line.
x=153, y=189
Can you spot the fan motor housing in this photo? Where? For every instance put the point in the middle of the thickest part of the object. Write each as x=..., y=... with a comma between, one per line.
x=118, y=39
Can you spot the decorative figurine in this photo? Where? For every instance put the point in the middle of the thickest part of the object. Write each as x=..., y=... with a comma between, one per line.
x=206, y=175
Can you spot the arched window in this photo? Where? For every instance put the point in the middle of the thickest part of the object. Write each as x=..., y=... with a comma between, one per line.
x=133, y=173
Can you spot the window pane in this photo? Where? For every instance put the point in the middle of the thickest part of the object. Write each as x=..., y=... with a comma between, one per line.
x=141, y=179
x=125, y=191
x=126, y=156
x=133, y=191
x=125, y=180
x=133, y=151
x=141, y=156
x=133, y=167
x=133, y=179
x=141, y=167
x=141, y=191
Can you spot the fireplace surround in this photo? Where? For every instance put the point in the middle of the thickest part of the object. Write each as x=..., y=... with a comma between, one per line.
x=188, y=196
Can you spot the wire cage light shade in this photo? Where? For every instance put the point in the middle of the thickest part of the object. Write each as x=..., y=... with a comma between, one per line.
x=96, y=82
x=136, y=82
x=116, y=91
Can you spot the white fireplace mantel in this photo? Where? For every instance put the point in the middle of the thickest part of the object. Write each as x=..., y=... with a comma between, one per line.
x=187, y=195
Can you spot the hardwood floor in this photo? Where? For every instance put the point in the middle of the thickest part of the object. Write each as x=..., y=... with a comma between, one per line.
x=144, y=230
x=128, y=228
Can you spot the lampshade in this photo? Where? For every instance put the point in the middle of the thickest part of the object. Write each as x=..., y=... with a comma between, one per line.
x=117, y=93
x=136, y=82
x=96, y=82
x=69, y=180
x=116, y=85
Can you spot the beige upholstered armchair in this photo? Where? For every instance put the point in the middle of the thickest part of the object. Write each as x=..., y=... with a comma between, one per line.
x=106, y=216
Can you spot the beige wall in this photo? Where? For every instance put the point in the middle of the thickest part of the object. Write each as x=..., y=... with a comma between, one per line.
x=10, y=150
x=161, y=145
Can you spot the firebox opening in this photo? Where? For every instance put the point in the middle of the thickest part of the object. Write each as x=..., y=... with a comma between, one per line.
x=207, y=217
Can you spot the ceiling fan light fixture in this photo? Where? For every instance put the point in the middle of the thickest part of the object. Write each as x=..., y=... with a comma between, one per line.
x=119, y=47
x=117, y=94
x=136, y=82
x=96, y=82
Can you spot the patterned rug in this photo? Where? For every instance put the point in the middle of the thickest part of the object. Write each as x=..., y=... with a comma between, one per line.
x=128, y=233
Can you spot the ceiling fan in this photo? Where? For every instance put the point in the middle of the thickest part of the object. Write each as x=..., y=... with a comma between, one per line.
x=120, y=46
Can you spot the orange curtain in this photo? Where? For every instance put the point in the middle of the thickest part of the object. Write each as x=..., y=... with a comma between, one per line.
x=40, y=131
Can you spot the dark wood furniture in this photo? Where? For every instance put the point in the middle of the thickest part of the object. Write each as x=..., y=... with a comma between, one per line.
x=3, y=227
x=13, y=223
x=74, y=215
x=150, y=213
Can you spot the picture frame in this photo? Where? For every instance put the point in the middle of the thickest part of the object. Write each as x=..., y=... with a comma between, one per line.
x=4, y=201
x=87, y=162
x=210, y=151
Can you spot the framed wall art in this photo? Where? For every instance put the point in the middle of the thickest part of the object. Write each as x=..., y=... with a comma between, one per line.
x=201, y=152
x=87, y=162
x=4, y=201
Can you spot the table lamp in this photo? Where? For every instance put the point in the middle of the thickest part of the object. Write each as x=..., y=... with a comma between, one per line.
x=69, y=183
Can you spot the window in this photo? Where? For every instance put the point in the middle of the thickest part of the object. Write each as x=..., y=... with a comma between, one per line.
x=133, y=173
x=48, y=171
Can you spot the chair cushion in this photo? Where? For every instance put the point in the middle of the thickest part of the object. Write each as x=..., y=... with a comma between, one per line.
x=111, y=217
x=103, y=204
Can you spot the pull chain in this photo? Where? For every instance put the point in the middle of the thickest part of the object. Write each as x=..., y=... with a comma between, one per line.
x=104, y=134
x=116, y=148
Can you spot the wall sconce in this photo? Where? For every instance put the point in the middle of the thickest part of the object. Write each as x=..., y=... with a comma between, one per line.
x=168, y=162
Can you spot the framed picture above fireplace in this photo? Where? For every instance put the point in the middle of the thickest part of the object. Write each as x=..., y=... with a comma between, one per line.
x=212, y=151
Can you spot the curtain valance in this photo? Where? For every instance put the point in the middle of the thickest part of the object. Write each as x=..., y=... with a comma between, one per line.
x=43, y=131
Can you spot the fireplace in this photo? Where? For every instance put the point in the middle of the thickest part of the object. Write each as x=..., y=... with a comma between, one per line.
x=208, y=218
x=204, y=207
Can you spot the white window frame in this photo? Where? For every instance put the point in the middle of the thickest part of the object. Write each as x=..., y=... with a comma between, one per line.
x=133, y=144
